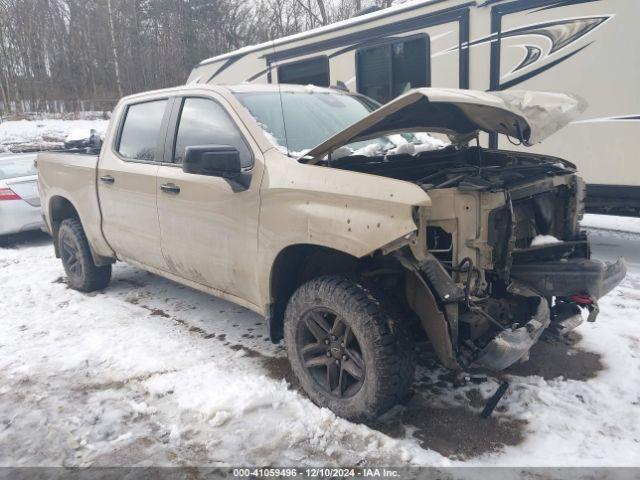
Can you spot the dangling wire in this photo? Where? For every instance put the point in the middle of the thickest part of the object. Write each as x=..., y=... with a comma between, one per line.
x=512, y=142
x=520, y=139
x=467, y=290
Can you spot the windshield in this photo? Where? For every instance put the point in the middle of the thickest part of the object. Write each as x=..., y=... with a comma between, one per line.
x=16, y=167
x=304, y=120
x=298, y=121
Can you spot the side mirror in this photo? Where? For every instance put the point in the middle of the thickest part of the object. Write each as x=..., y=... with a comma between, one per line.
x=216, y=161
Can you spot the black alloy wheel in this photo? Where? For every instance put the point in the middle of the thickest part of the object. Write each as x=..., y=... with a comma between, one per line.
x=349, y=346
x=70, y=255
x=331, y=353
x=82, y=273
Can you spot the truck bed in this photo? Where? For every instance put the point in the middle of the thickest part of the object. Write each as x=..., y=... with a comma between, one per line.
x=72, y=176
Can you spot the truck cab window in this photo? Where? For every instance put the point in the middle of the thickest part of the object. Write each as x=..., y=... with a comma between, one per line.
x=205, y=122
x=140, y=131
x=389, y=70
x=305, y=72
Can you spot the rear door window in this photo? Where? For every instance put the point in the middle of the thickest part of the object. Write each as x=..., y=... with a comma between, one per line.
x=141, y=130
x=205, y=122
x=387, y=71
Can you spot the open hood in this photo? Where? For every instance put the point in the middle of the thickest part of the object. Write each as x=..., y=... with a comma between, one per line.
x=523, y=115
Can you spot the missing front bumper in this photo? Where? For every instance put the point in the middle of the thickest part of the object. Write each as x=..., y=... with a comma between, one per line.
x=438, y=303
x=543, y=280
x=512, y=345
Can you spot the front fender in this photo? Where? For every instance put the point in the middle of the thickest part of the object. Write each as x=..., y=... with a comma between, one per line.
x=350, y=212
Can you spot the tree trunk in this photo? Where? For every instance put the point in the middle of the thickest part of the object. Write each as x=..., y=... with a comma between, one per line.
x=116, y=64
x=323, y=12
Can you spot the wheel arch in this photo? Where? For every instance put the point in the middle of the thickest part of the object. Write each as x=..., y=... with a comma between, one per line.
x=295, y=265
x=59, y=209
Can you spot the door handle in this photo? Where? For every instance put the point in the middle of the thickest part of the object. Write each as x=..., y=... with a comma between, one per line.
x=170, y=188
x=107, y=179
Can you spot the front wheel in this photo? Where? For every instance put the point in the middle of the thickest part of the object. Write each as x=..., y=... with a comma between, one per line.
x=82, y=273
x=349, y=351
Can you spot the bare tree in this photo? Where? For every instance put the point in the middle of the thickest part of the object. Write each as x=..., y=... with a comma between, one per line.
x=116, y=64
x=96, y=51
x=323, y=11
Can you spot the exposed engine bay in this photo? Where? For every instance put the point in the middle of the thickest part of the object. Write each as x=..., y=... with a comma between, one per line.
x=468, y=169
x=501, y=253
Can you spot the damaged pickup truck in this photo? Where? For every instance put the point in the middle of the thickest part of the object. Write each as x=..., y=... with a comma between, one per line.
x=399, y=220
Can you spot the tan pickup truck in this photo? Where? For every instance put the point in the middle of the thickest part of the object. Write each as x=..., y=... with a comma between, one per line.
x=397, y=223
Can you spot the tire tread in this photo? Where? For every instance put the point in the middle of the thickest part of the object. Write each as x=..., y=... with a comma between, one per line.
x=387, y=332
x=94, y=278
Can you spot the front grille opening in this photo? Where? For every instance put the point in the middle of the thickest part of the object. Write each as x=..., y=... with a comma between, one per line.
x=440, y=244
x=543, y=214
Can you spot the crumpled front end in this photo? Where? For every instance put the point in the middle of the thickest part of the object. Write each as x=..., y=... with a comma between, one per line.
x=491, y=333
x=576, y=285
x=499, y=329
x=513, y=344
x=496, y=289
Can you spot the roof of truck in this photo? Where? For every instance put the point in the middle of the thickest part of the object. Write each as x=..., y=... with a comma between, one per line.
x=280, y=87
x=238, y=88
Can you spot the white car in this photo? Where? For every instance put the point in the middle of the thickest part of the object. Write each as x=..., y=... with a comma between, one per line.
x=19, y=198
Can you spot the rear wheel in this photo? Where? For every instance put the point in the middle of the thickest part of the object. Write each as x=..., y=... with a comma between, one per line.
x=348, y=349
x=82, y=273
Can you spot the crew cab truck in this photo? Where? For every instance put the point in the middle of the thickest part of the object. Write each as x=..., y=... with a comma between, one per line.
x=341, y=221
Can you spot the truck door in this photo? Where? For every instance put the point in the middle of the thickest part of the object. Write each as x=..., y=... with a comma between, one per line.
x=209, y=225
x=127, y=183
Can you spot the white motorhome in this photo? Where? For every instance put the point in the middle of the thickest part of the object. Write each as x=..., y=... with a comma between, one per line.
x=585, y=47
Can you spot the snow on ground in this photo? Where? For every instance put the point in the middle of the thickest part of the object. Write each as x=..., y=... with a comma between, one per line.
x=45, y=134
x=611, y=222
x=151, y=372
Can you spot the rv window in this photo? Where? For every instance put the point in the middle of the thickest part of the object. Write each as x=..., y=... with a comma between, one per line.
x=389, y=70
x=374, y=73
x=409, y=65
x=314, y=72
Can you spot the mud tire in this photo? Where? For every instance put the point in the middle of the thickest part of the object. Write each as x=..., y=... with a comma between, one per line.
x=82, y=274
x=382, y=333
